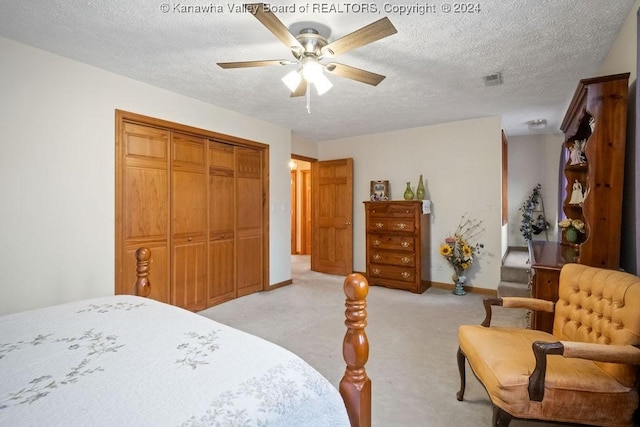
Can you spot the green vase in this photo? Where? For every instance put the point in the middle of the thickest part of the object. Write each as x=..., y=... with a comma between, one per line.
x=420, y=192
x=571, y=235
x=408, y=193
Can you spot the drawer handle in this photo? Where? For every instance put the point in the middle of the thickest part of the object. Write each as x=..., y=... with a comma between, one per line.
x=405, y=244
x=376, y=243
x=405, y=275
x=376, y=271
x=402, y=225
x=377, y=257
x=405, y=260
x=379, y=225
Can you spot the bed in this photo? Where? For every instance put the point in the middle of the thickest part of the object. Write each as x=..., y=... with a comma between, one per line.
x=130, y=360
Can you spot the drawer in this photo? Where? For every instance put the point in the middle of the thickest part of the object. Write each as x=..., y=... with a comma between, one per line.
x=400, y=243
x=391, y=224
x=401, y=274
x=390, y=208
x=392, y=258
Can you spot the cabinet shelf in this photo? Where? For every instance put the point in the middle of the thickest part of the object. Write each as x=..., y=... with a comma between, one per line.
x=596, y=119
x=580, y=167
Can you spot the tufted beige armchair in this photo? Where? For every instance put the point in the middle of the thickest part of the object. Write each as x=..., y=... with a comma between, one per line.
x=583, y=373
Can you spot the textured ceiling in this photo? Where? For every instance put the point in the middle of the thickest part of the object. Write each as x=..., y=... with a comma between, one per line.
x=434, y=64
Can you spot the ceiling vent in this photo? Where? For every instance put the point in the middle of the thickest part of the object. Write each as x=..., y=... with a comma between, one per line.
x=493, y=79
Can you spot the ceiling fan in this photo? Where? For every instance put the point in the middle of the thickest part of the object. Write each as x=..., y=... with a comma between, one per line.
x=309, y=48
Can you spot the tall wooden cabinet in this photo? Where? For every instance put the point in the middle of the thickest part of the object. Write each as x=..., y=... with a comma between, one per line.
x=398, y=245
x=597, y=120
x=198, y=202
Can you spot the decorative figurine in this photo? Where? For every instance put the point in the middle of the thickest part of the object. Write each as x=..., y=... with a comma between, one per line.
x=577, y=196
x=577, y=153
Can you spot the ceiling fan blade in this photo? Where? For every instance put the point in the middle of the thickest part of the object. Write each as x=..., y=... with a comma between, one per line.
x=246, y=64
x=273, y=24
x=353, y=73
x=365, y=35
x=301, y=90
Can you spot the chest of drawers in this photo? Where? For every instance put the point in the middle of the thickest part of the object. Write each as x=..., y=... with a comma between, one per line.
x=397, y=245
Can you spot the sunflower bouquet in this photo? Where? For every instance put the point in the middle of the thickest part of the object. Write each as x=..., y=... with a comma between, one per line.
x=460, y=248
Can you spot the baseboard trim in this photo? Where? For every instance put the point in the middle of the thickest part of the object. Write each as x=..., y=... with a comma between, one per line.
x=279, y=285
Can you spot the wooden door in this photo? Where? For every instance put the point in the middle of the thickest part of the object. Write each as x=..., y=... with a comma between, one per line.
x=188, y=222
x=305, y=213
x=332, y=216
x=250, y=205
x=142, y=206
x=222, y=222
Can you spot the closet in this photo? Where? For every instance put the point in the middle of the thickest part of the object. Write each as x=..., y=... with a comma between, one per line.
x=197, y=199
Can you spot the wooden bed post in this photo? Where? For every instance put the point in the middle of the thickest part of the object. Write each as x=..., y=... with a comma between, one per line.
x=142, y=287
x=355, y=386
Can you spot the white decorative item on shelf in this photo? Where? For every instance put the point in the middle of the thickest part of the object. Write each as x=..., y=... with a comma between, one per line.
x=577, y=195
x=577, y=152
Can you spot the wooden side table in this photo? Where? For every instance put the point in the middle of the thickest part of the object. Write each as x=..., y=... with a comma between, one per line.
x=547, y=259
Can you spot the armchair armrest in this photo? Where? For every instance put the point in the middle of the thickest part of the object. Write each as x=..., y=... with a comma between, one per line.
x=627, y=354
x=515, y=302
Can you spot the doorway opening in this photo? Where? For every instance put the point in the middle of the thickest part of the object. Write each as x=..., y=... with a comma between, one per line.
x=300, y=206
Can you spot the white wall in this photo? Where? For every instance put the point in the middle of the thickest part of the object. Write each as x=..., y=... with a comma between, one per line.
x=303, y=147
x=623, y=53
x=461, y=165
x=57, y=173
x=533, y=159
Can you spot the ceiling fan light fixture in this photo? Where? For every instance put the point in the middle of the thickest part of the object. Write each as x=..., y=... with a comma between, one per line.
x=292, y=80
x=536, y=124
x=311, y=69
x=322, y=84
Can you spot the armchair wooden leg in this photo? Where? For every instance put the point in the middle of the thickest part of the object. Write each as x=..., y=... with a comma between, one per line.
x=500, y=417
x=463, y=375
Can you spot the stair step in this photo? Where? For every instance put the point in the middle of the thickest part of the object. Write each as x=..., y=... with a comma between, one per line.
x=513, y=289
x=514, y=274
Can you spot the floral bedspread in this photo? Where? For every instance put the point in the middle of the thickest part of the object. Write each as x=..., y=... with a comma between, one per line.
x=131, y=361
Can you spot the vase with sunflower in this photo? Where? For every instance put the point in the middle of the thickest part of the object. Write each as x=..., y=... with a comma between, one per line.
x=460, y=250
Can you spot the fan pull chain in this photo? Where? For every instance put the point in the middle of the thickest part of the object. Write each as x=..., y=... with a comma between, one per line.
x=308, y=97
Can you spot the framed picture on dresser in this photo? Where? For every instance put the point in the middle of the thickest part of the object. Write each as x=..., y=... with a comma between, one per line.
x=379, y=191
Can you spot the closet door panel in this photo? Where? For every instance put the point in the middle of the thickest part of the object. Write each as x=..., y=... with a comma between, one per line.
x=146, y=204
x=250, y=220
x=189, y=275
x=222, y=223
x=189, y=222
x=143, y=205
x=249, y=265
x=222, y=278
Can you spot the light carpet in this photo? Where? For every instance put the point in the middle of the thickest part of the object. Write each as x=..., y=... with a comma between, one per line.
x=412, y=341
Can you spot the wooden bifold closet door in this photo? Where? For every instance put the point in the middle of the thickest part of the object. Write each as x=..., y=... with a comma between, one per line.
x=198, y=203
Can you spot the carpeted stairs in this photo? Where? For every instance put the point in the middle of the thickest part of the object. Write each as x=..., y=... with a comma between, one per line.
x=514, y=274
